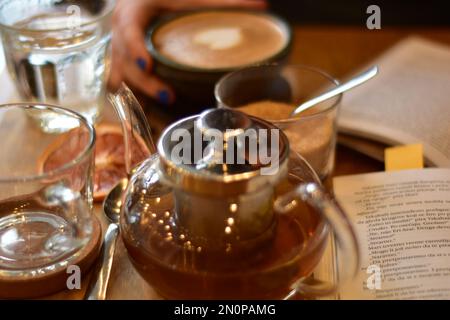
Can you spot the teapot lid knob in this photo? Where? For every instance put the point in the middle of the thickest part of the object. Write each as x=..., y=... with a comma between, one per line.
x=232, y=123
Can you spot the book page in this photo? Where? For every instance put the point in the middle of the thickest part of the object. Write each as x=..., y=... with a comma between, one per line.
x=407, y=102
x=402, y=220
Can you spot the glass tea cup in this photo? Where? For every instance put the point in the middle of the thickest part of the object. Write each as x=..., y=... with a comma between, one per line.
x=57, y=53
x=271, y=92
x=45, y=192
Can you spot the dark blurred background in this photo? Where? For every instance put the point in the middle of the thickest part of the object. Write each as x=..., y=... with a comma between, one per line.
x=353, y=12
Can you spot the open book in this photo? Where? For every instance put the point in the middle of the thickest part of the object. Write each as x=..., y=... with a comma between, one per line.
x=407, y=102
x=402, y=220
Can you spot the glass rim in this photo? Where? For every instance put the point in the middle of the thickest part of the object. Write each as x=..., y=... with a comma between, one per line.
x=80, y=156
x=95, y=20
x=316, y=70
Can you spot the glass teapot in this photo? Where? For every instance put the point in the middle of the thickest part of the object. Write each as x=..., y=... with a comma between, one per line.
x=221, y=209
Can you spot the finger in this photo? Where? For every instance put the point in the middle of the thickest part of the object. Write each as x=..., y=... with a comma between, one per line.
x=134, y=42
x=148, y=84
x=129, y=31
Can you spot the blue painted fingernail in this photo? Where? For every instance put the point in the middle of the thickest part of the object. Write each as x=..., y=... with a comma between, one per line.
x=141, y=63
x=163, y=97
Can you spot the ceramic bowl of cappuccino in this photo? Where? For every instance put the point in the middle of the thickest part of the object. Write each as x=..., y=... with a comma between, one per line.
x=193, y=50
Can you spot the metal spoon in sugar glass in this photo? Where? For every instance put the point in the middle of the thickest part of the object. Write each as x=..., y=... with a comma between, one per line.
x=354, y=82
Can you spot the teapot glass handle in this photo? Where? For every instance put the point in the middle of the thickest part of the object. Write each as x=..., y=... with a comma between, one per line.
x=319, y=199
x=135, y=128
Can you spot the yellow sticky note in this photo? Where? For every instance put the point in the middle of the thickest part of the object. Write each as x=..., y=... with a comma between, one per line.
x=404, y=157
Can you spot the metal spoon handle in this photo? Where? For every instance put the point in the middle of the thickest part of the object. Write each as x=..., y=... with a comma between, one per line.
x=354, y=82
x=99, y=279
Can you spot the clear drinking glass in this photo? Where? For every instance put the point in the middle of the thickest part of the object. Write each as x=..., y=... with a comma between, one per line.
x=57, y=53
x=272, y=91
x=45, y=191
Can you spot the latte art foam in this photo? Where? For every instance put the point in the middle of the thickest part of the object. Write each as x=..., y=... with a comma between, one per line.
x=217, y=40
x=220, y=38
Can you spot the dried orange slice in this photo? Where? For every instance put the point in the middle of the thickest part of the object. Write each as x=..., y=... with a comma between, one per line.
x=65, y=149
x=109, y=159
x=109, y=156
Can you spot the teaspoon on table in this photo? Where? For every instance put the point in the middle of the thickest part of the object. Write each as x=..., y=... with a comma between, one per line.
x=354, y=82
x=111, y=208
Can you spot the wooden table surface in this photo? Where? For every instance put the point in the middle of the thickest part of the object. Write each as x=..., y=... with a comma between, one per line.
x=338, y=50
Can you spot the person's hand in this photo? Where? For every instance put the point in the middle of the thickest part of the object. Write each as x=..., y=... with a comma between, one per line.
x=131, y=61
